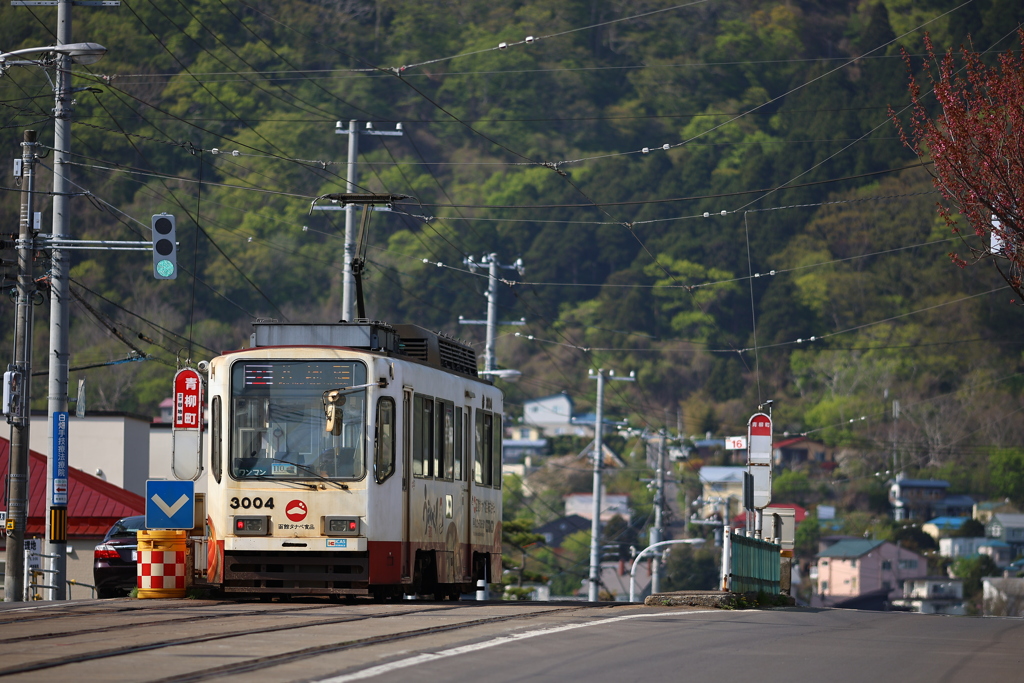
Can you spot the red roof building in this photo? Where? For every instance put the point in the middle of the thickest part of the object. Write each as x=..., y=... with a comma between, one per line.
x=93, y=504
x=799, y=514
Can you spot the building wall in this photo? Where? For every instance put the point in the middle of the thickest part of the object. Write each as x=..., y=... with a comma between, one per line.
x=582, y=504
x=731, y=490
x=113, y=448
x=553, y=414
x=960, y=547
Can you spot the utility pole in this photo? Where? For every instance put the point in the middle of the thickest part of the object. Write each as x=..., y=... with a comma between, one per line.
x=895, y=430
x=18, y=385
x=595, y=526
x=60, y=266
x=351, y=186
x=491, y=261
x=659, y=506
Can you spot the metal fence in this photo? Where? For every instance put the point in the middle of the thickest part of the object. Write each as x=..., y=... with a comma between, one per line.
x=754, y=566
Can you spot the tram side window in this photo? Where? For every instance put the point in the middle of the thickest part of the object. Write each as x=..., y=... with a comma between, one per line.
x=496, y=451
x=438, y=466
x=482, y=463
x=384, y=456
x=423, y=436
x=459, y=445
x=447, y=410
x=216, y=460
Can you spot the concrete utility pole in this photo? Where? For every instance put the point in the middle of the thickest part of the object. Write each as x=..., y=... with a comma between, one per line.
x=18, y=384
x=491, y=261
x=659, y=507
x=60, y=266
x=65, y=53
x=595, y=525
x=351, y=186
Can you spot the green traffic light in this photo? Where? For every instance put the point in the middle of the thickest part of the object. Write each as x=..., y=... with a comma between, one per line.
x=165, y=268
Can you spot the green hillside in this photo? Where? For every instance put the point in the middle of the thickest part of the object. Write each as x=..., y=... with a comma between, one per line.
x=785, y=188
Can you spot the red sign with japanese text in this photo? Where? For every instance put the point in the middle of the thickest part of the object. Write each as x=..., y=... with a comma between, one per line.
x=760, y=425
x=188, y=400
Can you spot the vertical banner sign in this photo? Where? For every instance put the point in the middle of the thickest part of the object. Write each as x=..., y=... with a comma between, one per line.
x=188, y=402
x=59, y=494
x=759, y=458
x=186, y=437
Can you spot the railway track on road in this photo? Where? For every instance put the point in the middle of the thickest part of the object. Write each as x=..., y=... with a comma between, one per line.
x=270, y=660
x=153, y=622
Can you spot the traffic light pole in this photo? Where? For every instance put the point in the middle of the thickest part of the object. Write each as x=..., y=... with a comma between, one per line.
x=19, y=386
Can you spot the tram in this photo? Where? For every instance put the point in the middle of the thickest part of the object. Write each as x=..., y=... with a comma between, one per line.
x=352, y=459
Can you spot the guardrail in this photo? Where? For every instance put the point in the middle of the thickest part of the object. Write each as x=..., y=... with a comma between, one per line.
x=754, y=565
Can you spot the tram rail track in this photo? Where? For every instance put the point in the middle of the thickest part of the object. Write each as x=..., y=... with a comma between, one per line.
x=280, y=658
x=153, y=622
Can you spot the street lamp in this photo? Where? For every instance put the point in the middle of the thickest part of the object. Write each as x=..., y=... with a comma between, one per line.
x=80, y=53
x=60, y=57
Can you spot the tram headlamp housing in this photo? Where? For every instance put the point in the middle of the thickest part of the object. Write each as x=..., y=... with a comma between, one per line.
x=251, y=526
x=341, y=526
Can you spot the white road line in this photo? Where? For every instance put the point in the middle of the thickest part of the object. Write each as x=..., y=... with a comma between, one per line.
x=474, y=647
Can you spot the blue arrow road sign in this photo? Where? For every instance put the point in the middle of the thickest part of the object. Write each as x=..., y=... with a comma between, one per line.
x=170, y=504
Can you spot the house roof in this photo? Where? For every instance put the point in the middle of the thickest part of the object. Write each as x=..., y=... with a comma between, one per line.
x=948, y=522
x=960, y=499
x=544, y=398
x=563, y=526
x=799, y=513
x=93, y=504
x=609, y=457
x=994, y=543
x=524, y=443
x=722, y=475
x=923, y=483
x=850, y=548
x=993, y=504
x=1007, y=520
x=789, y=442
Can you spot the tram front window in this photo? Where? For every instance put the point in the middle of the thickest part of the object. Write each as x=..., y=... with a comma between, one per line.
x=278, y=422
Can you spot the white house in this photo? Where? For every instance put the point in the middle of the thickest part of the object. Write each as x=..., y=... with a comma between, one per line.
x=551, y=414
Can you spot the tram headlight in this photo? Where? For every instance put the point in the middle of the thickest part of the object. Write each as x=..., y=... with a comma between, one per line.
x=341, y=526
x=251, y=526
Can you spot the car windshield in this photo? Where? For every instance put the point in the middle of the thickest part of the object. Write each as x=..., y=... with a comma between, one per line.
x=278, y=426
x=127, y=527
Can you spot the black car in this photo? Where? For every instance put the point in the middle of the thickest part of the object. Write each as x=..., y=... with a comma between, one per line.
x=114, y=560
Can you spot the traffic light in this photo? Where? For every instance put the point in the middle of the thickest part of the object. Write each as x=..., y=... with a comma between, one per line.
x=165, y=247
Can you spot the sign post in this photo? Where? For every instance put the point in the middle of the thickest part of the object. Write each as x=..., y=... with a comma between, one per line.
x=57, y=508
x=759, y=464
x=170, y=504
x=187, y=428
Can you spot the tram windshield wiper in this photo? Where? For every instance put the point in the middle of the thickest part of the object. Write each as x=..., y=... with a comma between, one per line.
x=263, y=477
x=316, y=474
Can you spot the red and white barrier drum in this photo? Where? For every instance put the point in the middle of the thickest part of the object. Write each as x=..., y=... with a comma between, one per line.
x=162, y=565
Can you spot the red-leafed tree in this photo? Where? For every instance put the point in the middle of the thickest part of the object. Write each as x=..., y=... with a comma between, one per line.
x=976, y=145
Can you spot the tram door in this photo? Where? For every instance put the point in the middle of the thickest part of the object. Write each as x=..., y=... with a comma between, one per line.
x=407, y=555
